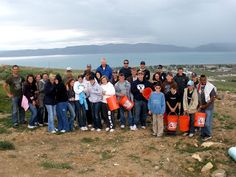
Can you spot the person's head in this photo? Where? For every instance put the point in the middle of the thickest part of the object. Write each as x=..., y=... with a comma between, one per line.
x=169, y=77
x=104, y=80
x=88, y=67
x=126, y=63
x=91, y=80
x=30, y=79
x=114, y=74
x=173, y=88
x=52, y=77
x=157, y=87
x=190, y=85
x=87, y=75
x=194, y=77
x=140, y=75
x=103, y=62
x=70, y=83
x=134, y=71
x=156, y=76
x=160, y=68
x=142, y=64
x=121, y=77
x=203, y=79
x=15, y=69
x=80, y=78
x=45, y=76
x=58, y=79
x=180, y=71
x=69, y=72
x=98, y=75
x=38, y=77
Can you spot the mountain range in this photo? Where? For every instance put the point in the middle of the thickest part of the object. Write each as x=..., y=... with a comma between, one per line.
x=120, y=48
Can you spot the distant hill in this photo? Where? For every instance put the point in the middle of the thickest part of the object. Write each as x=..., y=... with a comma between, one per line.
x=119, y=48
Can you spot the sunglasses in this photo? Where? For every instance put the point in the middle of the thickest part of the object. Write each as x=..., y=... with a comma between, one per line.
x=126, y=63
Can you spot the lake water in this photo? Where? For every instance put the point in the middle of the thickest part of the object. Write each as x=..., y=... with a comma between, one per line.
x=114, y=60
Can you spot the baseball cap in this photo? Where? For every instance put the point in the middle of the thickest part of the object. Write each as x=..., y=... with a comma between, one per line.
x=142, y=63
x=194, y=74
x=190, y=83
x=88, y=65
x=68, y=68
x=160, y=67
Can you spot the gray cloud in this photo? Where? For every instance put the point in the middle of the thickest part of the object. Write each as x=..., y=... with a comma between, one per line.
x=179, y=22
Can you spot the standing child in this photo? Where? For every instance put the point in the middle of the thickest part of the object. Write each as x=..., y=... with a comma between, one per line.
x=156, y=107
x=190, y=103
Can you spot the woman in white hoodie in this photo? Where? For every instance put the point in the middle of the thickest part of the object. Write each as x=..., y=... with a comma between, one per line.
x=108, y=90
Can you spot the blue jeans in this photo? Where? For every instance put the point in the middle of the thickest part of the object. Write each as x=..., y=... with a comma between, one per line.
x=61, y=109
x=51, y=109
x=82, y=117
x=191, y=123
x=95, y=108
x=122, y=117
x=71, y=108
x=33, y=117
x=207, y=129
x=18, y=113
x=140, y=112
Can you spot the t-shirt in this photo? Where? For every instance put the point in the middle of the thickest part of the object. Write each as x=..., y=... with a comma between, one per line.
x=15, y=83
x=202, y=97
x=172, y=99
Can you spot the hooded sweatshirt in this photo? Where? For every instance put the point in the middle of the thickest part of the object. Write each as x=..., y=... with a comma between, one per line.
x=109, y=89
x=95, y=93
x=61, y=92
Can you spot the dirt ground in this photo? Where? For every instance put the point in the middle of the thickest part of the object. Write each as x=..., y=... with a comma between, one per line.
x=121, y=153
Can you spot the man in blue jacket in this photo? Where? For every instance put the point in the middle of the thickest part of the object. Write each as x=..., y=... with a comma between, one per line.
x=105, y=69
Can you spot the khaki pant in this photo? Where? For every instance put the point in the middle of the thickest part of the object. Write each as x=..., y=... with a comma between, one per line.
x=157, y=124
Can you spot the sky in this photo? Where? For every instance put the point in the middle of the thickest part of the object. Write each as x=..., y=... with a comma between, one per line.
x=27, y=24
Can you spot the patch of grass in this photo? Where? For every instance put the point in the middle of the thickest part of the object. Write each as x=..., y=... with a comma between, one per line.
x=3, y=130
x=6, y=122
x=105, y=155
x=55, y=165
x=134, y=157
x=89, y=140
x=6, y=145
x=190, y=148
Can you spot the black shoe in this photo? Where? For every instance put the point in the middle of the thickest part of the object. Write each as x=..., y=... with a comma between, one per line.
x=206, y=138
x=15, y=125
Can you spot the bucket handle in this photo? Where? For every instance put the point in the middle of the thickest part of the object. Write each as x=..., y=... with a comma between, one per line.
x=174, y=113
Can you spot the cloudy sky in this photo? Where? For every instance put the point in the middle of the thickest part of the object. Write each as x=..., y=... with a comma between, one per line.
x=59, y=23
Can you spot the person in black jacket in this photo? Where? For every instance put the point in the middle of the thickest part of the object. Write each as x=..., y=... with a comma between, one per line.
x=181, y=79
x=126, y=70
x=29, y=91
x=61, y=104
x=50, y=102
x=144, y=70
x=137, y=88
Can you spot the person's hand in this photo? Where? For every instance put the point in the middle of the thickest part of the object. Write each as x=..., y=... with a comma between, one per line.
x=149, y=112
x=9, y=95
x=103, y=92
x=172, y=110
x=141, y=91
x=185, y=112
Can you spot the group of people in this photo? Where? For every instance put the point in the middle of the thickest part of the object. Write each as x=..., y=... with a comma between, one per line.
x=84, y=99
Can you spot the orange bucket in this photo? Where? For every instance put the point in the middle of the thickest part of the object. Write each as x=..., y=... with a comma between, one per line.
x=172, y=122
x=147, y=93
x=112, y=103
x=199, y=120
x=184, y=123
x=126, y=103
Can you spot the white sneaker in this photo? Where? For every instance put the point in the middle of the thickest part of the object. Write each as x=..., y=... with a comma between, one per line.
x=31, y=127
x=41, y=125
x=56, y=129
x=62, y=131
x=122, y=126
x=92, y=129
x=82, y=128
x=98, y=130
x=107, y=129
x=143, y=127
x=135, y=128
x=85, y=128
x=191, y=135
x=112, y=130
x=89, y=125
x=53, y=132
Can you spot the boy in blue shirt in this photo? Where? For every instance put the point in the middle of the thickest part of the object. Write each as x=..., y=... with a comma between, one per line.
x=157, y=107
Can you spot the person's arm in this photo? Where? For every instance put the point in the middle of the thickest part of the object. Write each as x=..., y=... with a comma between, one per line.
x=7, y=90
x=185, y=105
x=163, y=104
